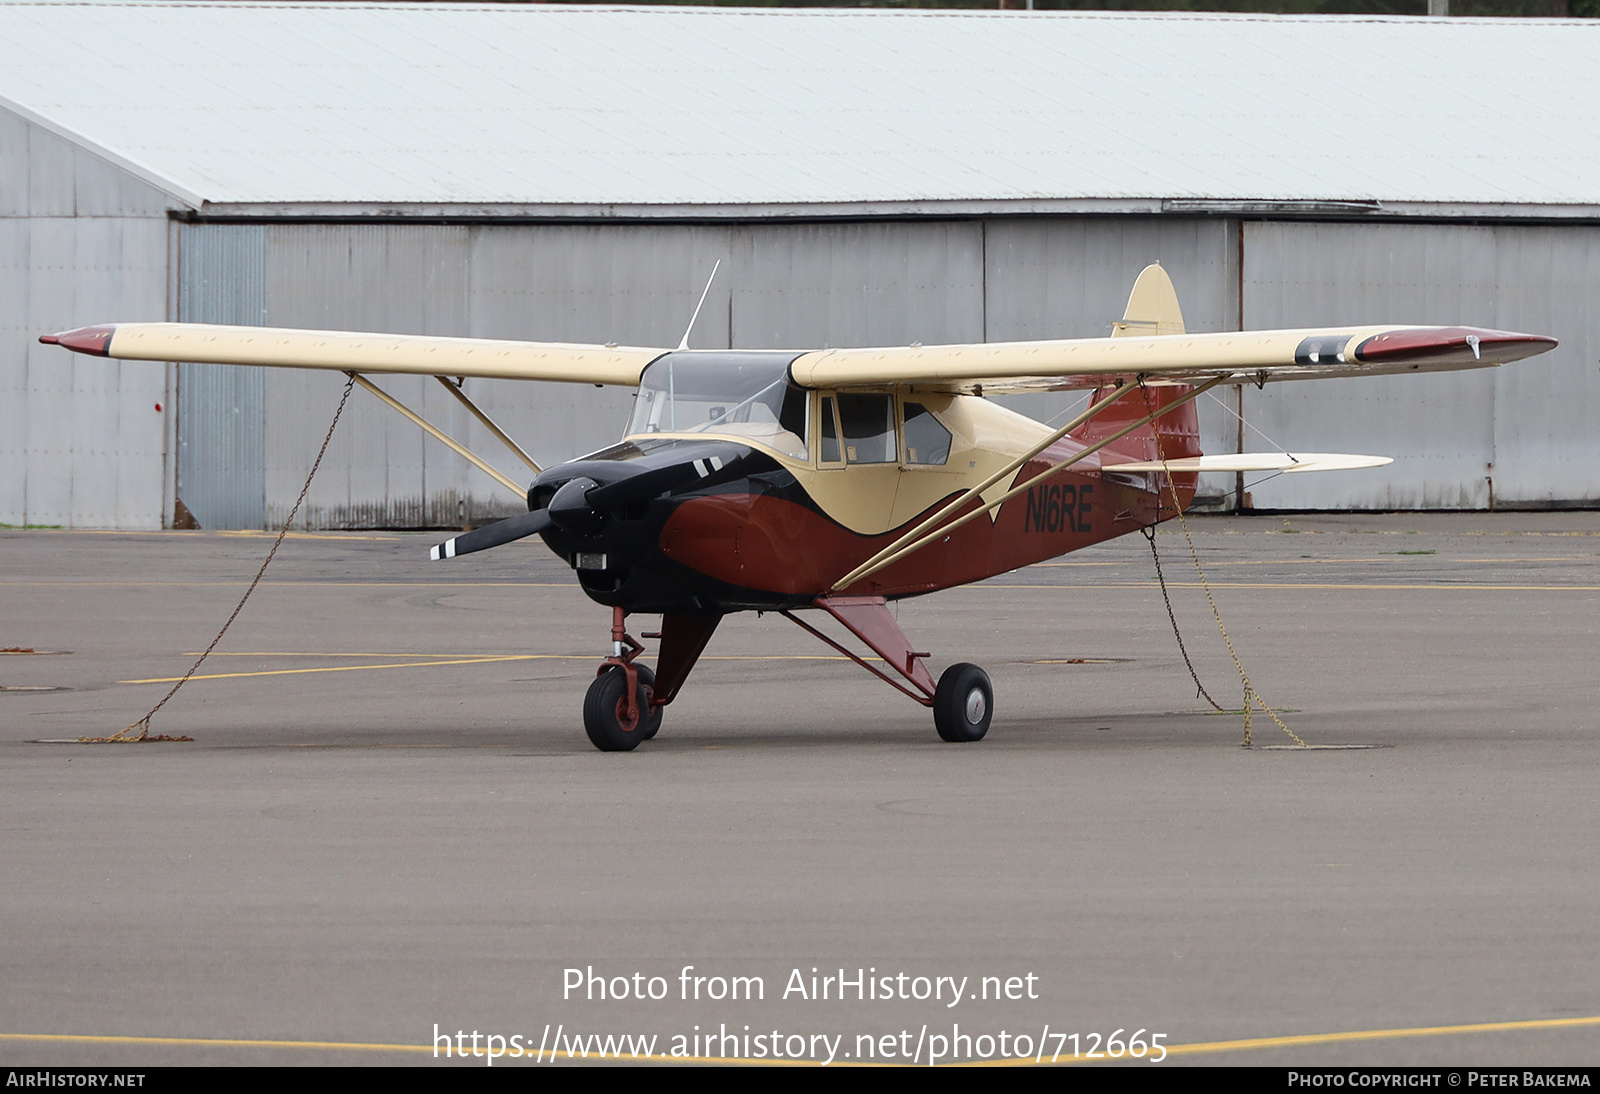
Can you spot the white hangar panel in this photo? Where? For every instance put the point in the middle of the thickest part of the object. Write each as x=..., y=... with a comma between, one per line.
x=42, y=174
x=222, y=414
x=1546, y=441
x=85, y=446
x=1523, y=431
x=79, y=447
x=380, y=470
x=873, y=284
x=633, y=284
x=15, y=282
x=1439, y=428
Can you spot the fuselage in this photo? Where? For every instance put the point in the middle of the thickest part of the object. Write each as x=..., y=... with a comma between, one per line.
x=755, y=493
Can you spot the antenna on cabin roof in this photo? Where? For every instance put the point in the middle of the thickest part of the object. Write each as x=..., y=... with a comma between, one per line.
x=684, y=344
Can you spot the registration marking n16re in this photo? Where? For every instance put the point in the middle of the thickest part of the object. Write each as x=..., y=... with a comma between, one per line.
x=1058, y=507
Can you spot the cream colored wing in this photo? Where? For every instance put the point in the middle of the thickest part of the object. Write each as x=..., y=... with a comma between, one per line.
x=367, y=353
x=1150, y=342
x=1254, y=357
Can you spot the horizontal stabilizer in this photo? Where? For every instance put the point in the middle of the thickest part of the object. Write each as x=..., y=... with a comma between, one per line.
x=1259, y=461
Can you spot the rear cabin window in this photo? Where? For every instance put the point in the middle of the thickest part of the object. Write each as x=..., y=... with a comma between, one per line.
x=927, y=442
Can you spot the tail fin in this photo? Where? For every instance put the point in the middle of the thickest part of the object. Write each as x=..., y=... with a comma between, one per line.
x=1152, y=309
x=1152, y=306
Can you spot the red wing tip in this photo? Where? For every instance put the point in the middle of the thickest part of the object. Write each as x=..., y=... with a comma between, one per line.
x=92, y=340
x=1452, y=344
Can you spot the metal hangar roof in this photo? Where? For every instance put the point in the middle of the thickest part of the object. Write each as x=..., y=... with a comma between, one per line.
x=669, y=110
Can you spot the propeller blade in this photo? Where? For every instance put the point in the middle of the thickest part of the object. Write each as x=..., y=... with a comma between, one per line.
x=493, y=535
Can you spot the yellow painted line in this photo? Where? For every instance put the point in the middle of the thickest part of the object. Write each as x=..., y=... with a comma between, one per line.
x=234, y=533
x=357, y=1046
x=294, y=653
x=595, y=657
x=1253, y=562
x=313, y=584
x=1247, y=1044
x=1379, y=1034
x=216, y=1042
x=343, y=668
x=1297, y=585
x=547, y=656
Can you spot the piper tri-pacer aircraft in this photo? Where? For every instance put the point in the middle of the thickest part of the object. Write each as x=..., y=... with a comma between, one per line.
x=842, y=479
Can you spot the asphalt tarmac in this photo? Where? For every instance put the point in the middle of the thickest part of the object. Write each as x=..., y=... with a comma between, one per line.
x=390, y=822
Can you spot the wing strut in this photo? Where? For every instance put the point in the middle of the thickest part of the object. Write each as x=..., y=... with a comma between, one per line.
x=900, y=548
x=454, y=388
x=510, y=484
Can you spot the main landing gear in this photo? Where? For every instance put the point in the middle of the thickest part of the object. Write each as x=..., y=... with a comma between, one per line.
x=625, y=702
x=963, y=699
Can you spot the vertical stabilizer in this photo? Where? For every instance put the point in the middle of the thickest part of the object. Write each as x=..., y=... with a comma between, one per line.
x=1152, y=309
x=1152, y=306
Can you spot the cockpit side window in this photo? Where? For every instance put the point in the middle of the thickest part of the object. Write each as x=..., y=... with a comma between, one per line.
x=927, y=441
x=868, y=425
x=830, y=452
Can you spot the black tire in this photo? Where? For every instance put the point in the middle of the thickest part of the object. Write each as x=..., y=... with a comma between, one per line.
x=652, y=721
x=963, y=703
x=605, y=712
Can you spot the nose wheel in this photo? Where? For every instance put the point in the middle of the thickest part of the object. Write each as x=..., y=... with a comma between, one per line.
x=613, y=724
x=963, y=703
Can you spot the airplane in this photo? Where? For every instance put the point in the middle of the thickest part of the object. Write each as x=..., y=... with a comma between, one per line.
x=844, y=479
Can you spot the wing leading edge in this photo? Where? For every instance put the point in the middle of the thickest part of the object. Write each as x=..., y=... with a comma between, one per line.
x=1149, y=344
x=1253, y=357
x=367, y=353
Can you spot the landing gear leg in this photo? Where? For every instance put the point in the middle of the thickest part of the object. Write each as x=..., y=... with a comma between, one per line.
x=617, y=712
x=613, y=722
x=962, y=701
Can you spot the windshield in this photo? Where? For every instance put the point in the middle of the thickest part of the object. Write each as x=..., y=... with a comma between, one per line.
x=728, y=393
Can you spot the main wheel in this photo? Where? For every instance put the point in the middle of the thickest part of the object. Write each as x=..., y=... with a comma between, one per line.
x=963, y=703
x=605, y=711
x=652, y=719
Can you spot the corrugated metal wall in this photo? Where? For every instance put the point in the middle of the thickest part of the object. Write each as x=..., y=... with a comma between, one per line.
x=779, y=286
x=81, y=442
x=1522, y=435
x=82, y=445
x=222, y=278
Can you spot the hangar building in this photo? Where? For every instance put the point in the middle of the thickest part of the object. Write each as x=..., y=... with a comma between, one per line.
x=866, y=177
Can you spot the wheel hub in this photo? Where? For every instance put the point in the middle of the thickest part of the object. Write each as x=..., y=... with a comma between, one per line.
x=975, y=706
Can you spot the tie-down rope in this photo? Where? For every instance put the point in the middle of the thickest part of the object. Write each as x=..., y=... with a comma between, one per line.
x=1252, y=697
x=140, y=730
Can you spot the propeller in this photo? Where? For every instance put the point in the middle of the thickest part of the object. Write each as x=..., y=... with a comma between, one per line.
x=579, y=505
x=493, y=535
